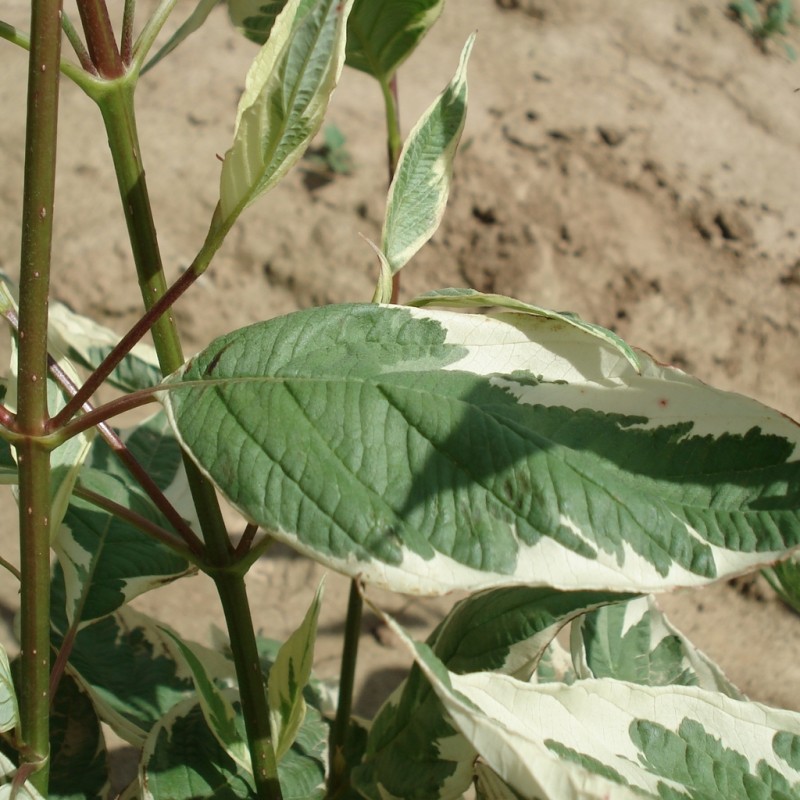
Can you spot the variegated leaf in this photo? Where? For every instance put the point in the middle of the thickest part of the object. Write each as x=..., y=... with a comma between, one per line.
x=427, y=451
x=421, y=184
x=469, y=298
x=215, y=702
x=141, y=674
x=634, y=641
x=7, y=791
x=86, y=343
x=284, y=101
x=183, y=760
x=604, y=738
x=413, y=751
x=380, y=36
x=107, y=561
x=289, y=677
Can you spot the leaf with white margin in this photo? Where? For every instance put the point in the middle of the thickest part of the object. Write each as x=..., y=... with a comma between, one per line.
x=182, y=759
x=421, y=184
x=216, y=704
x=8, y=696
x=191, y=24
x=469, y=298
x=140, y=675
x=612, y=739
x=635, y=642
x=427, y=451
x=106, y=560
x=284, y=102
x=381, y=36
x=412, y=750
x=87, y=343
x=288, y=678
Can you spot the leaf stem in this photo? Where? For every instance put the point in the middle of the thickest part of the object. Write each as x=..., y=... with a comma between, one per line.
x=100, y=38
x=126, y=39
x=148, y=35
x=11, y=568
x=77, y=44
x=33, y=458
x=340, y=772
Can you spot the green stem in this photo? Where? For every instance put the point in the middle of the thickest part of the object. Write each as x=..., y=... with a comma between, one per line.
x=33, y=457
x=340, y=772
x=394, y=146
x=236, y=607
x=73, y=37
x=117, y=109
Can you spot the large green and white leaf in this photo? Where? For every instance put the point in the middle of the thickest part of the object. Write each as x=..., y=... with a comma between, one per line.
x=86, y=343
x=8, y=696
x=284, y=101
x=78, y=758
x=215, y=702
x=421, y=184
x=635, y=642
x=191, y=24
x=413, y=751
x=288, y=678
x=380, y=36
x=140, y=675
x=182, y=759
x=107, y=561
x=428, y=451
x=255, y=18
x=469, y=298
x=656, y=742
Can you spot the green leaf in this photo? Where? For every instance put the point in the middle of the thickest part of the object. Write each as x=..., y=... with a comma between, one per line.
x=284, y=101
x=192, y=23
x=78, y=761
x=216, y=704
x=469, y=298
x=380, y=36
x=288, y=678
x=427, y=451
x=659, y=742
x=86, y=344
x=255, y=18
x=421, y=183
x=784, y=578
x=413, y=751
x=633, y=641
x=140, y=675
x=182, y=759
x=107, y=561
x=8, y=698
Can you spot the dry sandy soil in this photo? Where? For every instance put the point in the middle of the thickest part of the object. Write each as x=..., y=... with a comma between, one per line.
x=632, y=162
